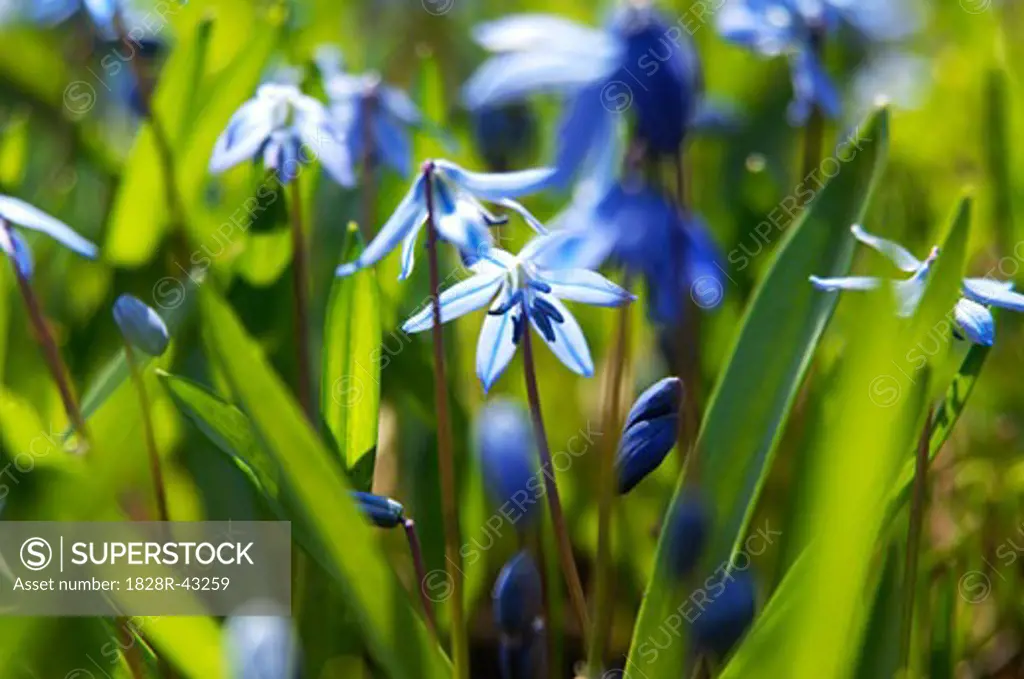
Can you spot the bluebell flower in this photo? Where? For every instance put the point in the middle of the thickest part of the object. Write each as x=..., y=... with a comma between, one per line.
x=649, y=433
x=260, y=644
x=797, y=28
x=14, y=212
x=459, y=216
x=518, y=596
x=383, y=512
x=361, y=105
x=640, y=63
x=973, y=319
x=686, y=534
x=286, y=128
x=504, y=439
x=141, y=325
x=727, y=616
x=517, y=290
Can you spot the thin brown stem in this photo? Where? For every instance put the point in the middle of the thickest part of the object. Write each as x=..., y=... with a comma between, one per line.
x=155, y=468
x=917, y=507
x=565, y=557
x=416, y=549
x=300, y=302
x=445, y=453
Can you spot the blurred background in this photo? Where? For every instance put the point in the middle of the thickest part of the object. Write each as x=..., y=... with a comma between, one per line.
x=72, y=142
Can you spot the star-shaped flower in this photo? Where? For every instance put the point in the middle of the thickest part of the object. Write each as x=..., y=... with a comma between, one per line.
x=285, y=126
x=971, y=314
x=19, y=213
x=517, y=290
x=459, y=216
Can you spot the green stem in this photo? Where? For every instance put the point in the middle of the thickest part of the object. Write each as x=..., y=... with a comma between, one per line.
x=300, y=302
x=155, y=469
x=604, y=604
x=445, y=453
x=917, y=507
x=572, y=577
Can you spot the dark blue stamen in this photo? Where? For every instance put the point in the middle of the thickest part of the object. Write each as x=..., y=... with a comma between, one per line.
x=539, y=285
x=543, y=323
x=518, y=322
x=512, y=302
x=542, y=306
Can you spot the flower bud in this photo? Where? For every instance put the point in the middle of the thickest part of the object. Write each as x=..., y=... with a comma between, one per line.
x=728, y=615
x=141, y=325
x=382, y=511
x=518, y=597
x=686, y=534
x=650, y=432
x=505, y=443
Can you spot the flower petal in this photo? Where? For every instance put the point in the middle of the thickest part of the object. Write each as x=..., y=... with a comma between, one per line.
x=513, y=76
x=245, y=134
x=586, y=129
x=409, y=213
x=746, y=23
x=392, y=143
x=581, y=285
x=542, y=32
x=32, y=218
x=14, y=246
x=896, y=253
x=398, y=104
x=326, y=143
x=495, y=346
x=527, y=216
x=458, y=300
x=846, y=283
x=811, y=87
x=409, y=250
x=460, y=221
x=569, y=345
x=996, y=293
x=497, y=185
x=975, y=321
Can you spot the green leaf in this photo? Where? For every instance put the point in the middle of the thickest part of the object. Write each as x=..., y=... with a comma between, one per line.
x=751, y=402
x=880, y=656
x=376, y=597
x=942, y=648
x=350, y=384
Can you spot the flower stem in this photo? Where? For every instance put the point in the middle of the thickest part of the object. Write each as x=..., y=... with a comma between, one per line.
x=300, y=301
x=917, y=507
x=604, y=604
x=572, y=577
x=445, y=453
x=51, y=354
x=155, y=470
x=421, y=573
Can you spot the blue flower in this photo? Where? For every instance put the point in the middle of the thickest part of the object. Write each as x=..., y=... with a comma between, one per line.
x=362, y=105
x=504, y=441
x=284, y=126
x=141, y=325
x=973, y=319
x=517, y=289
x=518, y=596
x=797, y=28
x=383, y=512
x=19, y=213
x=260, y=643
x=458, y=215
x=639, y=62
x=725, y=619
x=649, y=433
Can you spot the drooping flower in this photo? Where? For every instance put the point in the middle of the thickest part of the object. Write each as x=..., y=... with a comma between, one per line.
x=504, y=440
x=286, y=128
x=727, y=616
x=640, y=63
x=649, y=433
x=383, y=512
x=260, y=643
x=518, y=597
x=14, y=212
x=517, y=290
x=141, y=325
x=362, y=106
x=459, y=217
x=796, y=28
x=973, y=318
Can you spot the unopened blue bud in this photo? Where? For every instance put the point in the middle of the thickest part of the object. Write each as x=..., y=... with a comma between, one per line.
x=382, y=511
x=726, y=618
x=505, y=444
x=518, y=597
x=141, y=325
x=650, y=432
x=686, y=534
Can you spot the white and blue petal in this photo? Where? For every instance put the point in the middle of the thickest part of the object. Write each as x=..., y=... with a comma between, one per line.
x=581, y=285
x=568, y=342
x=896, y=253
x=460, y=221
x=514, y=76
x=32, y=218
x=245, y=134
x=527, y=216
x=544, y=32
x=409, y=250
x=767, y=27
x=400, y=105
x=975, y=322
x=846, y=283
x=322, y=138
x=392, y=143
x=811, y=87
x=496, y=345
x=460, y=299
x=15, y=247
x=495, y=186
x=407, y=216
x=994, y=293
x=586, y=129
